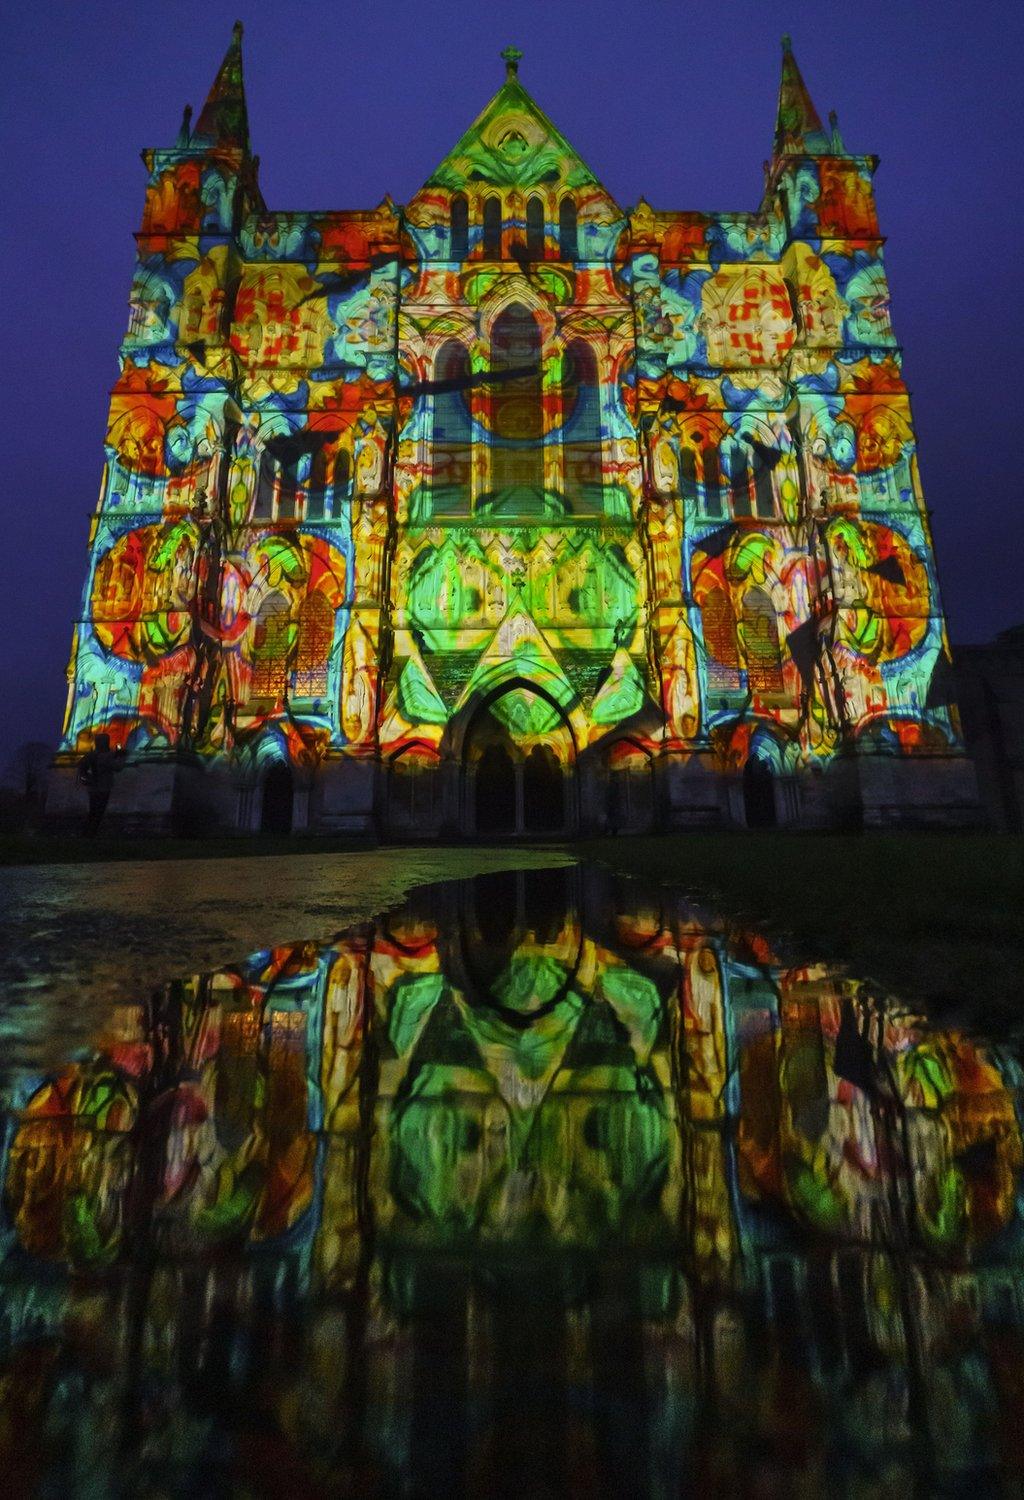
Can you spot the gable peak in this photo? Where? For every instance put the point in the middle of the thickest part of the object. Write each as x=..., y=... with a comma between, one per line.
x=512, y=143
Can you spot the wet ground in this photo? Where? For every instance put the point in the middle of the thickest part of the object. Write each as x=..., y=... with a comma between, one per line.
x=535, y=1182
x=76, y=938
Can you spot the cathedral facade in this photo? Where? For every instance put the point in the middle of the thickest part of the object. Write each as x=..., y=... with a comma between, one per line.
x=511, y=511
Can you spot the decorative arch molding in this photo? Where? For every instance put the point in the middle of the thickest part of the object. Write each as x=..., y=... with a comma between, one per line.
x=253, y=759
x=499, y=677
x=778, y=750
x=516, y=781
x=504, y=294
x=413, y=794
x=629, y=767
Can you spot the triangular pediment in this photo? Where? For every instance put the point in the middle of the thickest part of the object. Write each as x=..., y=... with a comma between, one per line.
x=512, y=143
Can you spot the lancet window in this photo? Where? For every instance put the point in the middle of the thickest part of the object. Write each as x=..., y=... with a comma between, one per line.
x=276, y=486
x=751, y=480
x=761, y=639
x=568, y=247
x=581, y=429
x=270, y=648
x=318, y=489
x=459, y=227
x=492, y=228
x=316, y=633
x=721, y=640
x=700, y=480
x=535, y=227
x=739, y=484
x=342, y=486
x=764, y=486
x=452, y=433
x=517, y=415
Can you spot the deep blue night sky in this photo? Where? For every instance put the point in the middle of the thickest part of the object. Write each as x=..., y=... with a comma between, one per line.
x=668, y=100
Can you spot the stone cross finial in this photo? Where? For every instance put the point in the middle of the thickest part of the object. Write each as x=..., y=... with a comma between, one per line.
x=511, y=56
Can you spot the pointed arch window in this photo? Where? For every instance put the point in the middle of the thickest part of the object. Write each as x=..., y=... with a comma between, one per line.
x=567, y=238
x=687, y=474
x=739, y=479
x=764, y=485
x=459, y=241
x=263, y=507
x=761, y=639
x=451, y=458
x=581, y=430
x=517, y=415
x=711, y=480
x=277, y=484
x=316, y=488
x=270, y=648
x=492, y=228
x=720, y=638
x=316, y=632
x=328, y=485
x=535, y=227
x=342, y=486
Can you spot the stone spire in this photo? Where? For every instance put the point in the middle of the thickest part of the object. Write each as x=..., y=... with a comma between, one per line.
x=224, y=119
x=798, y=127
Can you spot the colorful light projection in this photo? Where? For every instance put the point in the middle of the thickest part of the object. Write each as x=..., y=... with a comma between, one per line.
x=365, y=469
x=538, y=1184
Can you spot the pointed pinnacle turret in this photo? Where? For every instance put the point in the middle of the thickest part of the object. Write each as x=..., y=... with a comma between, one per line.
x=224, y=119
x=798, y=127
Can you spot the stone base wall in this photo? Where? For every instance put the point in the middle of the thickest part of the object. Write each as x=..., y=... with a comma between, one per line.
x=694, y=795
x=343, y=797
x=346, y=795
x=141, y=799
x=917, y=792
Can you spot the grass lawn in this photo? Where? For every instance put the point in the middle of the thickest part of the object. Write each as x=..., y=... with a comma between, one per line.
x=933, y=916
x=73, y=849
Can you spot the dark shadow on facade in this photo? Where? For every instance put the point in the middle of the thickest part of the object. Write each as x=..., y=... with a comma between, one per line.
x=278, y=800
x=518, y=766
x=543, y=792
x=495, y=791
x=758, y=794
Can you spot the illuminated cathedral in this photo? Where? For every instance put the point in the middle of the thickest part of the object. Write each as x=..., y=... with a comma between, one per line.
x=510, y=511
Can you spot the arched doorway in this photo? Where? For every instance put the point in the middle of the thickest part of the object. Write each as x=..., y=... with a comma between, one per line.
x=495, y=791
x=518, y=764
x=758, y=794
x=543, y=791
x=278, y=800
x=413, y=793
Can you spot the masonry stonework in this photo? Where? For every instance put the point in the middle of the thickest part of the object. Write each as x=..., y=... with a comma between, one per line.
x=511, y=511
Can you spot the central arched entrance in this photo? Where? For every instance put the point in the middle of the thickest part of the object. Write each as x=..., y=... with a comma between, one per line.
x=543, y=791
x=494, y=791
x=518, y=767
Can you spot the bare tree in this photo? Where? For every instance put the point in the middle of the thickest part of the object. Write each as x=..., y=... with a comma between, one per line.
x=25, y=771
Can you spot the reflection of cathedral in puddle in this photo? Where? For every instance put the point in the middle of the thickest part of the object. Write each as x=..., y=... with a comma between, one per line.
x=539, y=1184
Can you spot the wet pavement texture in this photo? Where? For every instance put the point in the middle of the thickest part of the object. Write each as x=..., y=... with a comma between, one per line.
x=537, y=1183
x=76, y=938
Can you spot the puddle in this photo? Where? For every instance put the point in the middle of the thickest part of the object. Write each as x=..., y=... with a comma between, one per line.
x=542, y=1183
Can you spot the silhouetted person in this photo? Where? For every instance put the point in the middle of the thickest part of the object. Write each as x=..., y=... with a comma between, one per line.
x=96, y=774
